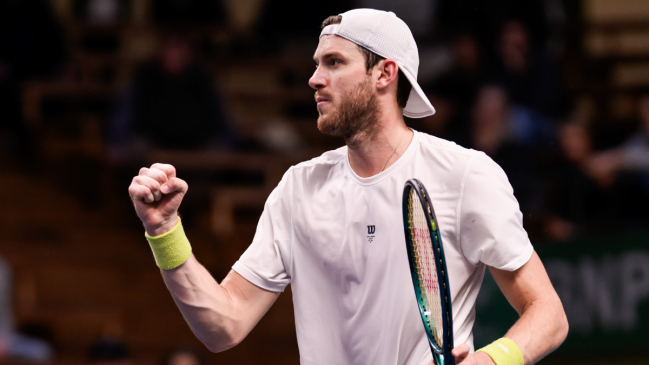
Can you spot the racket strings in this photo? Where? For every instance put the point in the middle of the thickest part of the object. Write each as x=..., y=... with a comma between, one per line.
x=426, y=267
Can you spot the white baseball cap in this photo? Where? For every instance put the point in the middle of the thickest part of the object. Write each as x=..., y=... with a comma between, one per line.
x=388, y=36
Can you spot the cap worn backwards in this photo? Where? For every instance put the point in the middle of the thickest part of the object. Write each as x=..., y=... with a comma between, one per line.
x=388, y=36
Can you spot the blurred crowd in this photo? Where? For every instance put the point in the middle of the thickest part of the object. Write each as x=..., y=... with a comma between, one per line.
x=495, y=74
x=512, y=106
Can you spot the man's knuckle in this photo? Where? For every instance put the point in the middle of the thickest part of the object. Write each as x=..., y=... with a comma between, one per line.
x=158, y=175
x=162, y=175
x=160, y=166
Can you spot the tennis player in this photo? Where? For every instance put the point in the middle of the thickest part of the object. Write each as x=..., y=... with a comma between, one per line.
x=333, y=229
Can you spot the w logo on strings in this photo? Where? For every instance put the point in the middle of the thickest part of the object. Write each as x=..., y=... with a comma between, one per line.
x=371, y=229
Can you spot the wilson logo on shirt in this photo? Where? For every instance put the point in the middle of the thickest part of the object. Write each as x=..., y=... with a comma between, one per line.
x=370, y=233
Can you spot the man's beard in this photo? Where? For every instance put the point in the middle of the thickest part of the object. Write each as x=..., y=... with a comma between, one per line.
x=355, y=118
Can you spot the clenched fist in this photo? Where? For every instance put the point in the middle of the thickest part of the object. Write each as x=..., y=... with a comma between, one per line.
x=157, y=193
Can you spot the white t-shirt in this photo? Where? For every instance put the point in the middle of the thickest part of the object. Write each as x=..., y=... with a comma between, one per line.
x=338, y=239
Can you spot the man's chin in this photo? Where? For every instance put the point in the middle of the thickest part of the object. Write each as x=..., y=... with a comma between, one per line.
x=325, y=126
x=322, y=123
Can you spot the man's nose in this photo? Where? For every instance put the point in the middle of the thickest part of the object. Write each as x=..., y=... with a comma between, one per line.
x=317, y=80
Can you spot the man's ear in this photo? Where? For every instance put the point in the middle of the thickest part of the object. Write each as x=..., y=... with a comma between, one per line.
x=388, y=71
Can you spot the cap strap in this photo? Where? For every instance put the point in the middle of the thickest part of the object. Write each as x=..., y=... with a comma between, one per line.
x=330, y=29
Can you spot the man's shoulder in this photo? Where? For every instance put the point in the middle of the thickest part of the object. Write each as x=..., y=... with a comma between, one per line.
x=317, y=169
x=326, y=160
x=432, y=143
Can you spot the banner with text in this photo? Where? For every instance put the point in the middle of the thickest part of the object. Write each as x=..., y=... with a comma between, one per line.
x=603, y=285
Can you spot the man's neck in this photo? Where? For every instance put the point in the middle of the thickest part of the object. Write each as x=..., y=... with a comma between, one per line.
x=370, y=157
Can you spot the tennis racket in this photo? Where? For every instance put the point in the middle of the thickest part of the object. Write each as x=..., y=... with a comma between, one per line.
x=428, y=270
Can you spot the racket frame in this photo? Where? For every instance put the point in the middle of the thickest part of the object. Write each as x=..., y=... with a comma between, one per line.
x=440, y=355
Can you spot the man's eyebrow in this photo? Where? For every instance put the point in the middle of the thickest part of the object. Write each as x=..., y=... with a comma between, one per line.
x=329, y=55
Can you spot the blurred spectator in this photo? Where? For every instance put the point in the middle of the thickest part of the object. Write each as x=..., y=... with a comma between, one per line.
x=495, y=132
x=633, y=155
x=487, y=17
x=455, y=91
x=172, y=104
x=628, y=168
x=108, y=351
x=13, y=345
x=182, y=356
x=577, y=200
x=526, y=73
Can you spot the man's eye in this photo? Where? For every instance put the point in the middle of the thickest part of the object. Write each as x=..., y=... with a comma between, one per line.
x=335, y=62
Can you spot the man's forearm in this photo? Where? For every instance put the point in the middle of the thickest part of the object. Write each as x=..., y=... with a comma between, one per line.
x=206, y=305
x=542, y=325
x=541, y=328
x=220, y=315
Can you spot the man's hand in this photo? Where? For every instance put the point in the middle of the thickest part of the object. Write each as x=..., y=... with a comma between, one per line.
x=463, y=357
x=156, y=194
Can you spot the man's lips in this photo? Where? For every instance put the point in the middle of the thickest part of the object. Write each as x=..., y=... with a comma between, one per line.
x=321, y=100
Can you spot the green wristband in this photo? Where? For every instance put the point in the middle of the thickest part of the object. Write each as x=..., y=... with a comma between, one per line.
x=504, y=352
x=170, y=249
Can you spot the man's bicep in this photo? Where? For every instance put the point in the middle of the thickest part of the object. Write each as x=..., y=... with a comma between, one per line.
x=525, y=285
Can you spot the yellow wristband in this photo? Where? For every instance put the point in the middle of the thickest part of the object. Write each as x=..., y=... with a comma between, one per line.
x=504, y=352
x=170, y=249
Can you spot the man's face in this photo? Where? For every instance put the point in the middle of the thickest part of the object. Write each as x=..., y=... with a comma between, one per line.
x=345, y=94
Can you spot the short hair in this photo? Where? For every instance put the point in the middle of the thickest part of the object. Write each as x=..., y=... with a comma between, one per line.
x=372, y=59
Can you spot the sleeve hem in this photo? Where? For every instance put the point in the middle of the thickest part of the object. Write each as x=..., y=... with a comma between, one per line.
x=242, y=270
x=517, y=262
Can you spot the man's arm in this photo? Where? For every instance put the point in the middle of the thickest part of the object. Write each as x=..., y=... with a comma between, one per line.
x=542, y=325
x=222, y=315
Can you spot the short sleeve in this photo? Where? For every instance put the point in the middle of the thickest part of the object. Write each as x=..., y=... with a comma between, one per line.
x=491, y=223
x=264, y=262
